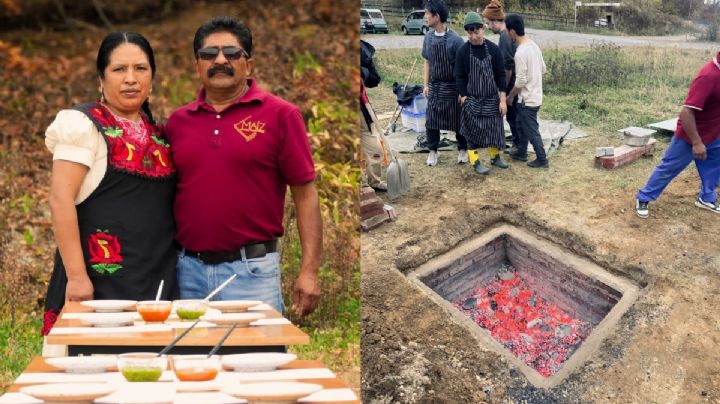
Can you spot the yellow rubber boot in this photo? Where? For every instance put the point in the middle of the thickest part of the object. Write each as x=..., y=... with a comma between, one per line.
x=473, y=156
x=495, y=159
x=474, y=160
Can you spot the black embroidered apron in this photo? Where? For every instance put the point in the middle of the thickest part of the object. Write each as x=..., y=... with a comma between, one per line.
x=126, y=224
x=480, y=121
x=443, y=109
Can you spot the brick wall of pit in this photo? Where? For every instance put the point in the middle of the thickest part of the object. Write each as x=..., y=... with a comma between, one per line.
x=577, y=294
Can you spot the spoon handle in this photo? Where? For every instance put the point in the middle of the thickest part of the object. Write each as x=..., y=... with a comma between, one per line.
x=219, y=344
x=178, y=338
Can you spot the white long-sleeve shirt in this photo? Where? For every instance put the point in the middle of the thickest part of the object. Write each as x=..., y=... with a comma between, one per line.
x=529, y=68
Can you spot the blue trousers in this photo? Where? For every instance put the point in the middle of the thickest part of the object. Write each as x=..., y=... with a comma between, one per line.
x=257, y=279
x=677, y=156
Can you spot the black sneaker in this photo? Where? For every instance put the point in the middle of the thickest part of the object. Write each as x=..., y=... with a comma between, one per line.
x=641, y=209
x=518, y=157
x=538, y=164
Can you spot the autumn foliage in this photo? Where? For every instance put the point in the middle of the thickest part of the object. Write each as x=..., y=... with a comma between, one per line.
x=305, y=51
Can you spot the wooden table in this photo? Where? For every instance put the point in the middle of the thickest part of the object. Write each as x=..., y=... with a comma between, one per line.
x=38, y=365
x=266, y=338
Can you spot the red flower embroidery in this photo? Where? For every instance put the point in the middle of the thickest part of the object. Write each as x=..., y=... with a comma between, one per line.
x=104, y=252
x=49, y=320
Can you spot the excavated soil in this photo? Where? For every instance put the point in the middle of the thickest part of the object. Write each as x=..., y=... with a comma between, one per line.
x=664, y=349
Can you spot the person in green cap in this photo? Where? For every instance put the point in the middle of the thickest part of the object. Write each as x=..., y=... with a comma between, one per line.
x=480, y=78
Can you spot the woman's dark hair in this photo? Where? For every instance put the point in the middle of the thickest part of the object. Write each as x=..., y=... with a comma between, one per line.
x=223, y=24
x=437, y=7
x=115, y=39
x=515, y=22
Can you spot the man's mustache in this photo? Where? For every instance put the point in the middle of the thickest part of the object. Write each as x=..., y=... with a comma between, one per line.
x=221, y=69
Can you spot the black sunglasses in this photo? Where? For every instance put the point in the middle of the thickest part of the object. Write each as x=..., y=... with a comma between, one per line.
x=230, y=52
x=473, y=28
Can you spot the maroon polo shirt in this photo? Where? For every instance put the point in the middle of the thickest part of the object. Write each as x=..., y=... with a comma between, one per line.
x=704, y=99
x=234, y=168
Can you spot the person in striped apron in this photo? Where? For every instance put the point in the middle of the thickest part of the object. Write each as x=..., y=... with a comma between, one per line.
x=443, y=110
x=480, y=77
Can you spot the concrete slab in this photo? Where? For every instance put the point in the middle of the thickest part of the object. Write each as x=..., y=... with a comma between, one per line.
x=664, y=126
x=553, y=134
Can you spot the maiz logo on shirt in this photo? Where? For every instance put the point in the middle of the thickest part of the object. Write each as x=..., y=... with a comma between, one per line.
x=249, y=129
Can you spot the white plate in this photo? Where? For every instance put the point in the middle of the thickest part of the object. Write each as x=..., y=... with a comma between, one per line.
x=272, y=391
x=206, y=398
x=68, y=392
x=84, y=364
x=141, y=393
x=230, y=306
x=242, y=319
x=197, y=387
x=109, y=306
x=110, y=319
x=257, y=362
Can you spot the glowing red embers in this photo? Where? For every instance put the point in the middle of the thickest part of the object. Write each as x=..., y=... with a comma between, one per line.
x=534, y=330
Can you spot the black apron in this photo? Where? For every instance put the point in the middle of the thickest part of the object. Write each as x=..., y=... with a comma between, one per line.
x=443, y=109
x=126, y=224
x=480, y=121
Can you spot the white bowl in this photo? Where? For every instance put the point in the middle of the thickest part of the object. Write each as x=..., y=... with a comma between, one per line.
x=257, y=362
x=84, y=364
x=109, y=306
x=230, y=306
x=68, y=392
x=241, y=319
x=110, y=319
x=272, y=391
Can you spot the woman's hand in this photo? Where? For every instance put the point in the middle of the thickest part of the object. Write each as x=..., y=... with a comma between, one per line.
x=462, y=99
x=79, y=289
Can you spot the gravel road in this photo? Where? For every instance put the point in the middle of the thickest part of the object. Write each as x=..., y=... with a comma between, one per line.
x=559, y=39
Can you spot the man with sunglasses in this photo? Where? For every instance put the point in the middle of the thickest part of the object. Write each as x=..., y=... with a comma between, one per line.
x=480, y=77
x=236, y=149
x=443, y=108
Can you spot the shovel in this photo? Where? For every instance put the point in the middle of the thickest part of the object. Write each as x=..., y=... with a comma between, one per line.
x=398, y=175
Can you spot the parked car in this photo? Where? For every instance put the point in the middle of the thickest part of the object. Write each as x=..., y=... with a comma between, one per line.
x=415, y=23
x=372, y=21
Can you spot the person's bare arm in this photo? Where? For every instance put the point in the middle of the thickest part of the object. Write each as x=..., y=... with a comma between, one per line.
x=687, y=116
x=65, y=184
x=306, y=292
x=426, y=77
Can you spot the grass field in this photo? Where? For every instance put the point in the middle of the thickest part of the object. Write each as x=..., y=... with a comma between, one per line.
x=603, y=88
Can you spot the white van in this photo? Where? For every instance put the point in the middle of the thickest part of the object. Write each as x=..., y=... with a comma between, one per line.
x=372, y=21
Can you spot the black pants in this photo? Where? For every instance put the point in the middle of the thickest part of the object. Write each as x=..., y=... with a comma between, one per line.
x=529, y=131
x=433, y=139
x=511, y=117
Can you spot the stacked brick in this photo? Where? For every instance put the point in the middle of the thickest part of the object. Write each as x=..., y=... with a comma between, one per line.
x=372, y=210
x=623, y=155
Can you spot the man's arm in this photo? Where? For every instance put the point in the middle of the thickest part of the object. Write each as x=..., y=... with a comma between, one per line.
x=306, y=292
x=687, y=116
x=426, y=77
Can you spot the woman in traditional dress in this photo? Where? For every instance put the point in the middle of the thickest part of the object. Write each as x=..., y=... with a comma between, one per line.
x=112, y=188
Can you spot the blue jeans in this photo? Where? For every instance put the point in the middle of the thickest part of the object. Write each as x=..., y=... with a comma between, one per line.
x=257, y=279
x=677, y=156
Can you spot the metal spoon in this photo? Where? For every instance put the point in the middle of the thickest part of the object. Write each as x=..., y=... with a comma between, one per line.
x=178, y=338
x=219, y=288
x=217, y=346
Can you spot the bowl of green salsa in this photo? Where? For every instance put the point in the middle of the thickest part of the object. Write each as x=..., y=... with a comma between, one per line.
x=190, y=309
x=141, y=366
